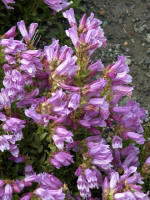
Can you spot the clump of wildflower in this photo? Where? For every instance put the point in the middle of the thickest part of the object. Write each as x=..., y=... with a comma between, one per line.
x=78, y=122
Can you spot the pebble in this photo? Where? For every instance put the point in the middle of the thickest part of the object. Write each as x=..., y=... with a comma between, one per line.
x=132, y=40
x=102, y=12
x=147, y=61
x=148, y=6
x=148, y=75
x=128, y=61
x=148, y=37
x=148, y=51
x=125, y=43
x=139, y=29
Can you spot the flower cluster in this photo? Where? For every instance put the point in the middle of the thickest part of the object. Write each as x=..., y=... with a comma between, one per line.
x=55, y=5
x=77, y=104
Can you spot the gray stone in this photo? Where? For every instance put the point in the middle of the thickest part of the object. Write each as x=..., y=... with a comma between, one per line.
x=148, y=37
x=128, y=61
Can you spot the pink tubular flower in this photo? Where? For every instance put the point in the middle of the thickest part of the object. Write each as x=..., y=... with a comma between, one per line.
x=116, y=142
x=83, y=187
x=22, y=28
x=62, y=158
x=8, y=192
x=45, y=193
x=69, y=15
x=57, y=5
x=10, y=33
x=99, y=152
x=62, y=135
x=6, y=2
x=130, y=117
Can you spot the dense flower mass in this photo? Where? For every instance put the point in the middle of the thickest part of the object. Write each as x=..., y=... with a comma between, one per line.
x=63, y=125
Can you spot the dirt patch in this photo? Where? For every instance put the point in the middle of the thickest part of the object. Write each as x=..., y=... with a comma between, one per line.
x=127, y=27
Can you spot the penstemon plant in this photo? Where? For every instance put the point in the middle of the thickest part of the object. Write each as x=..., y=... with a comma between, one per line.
x=64, y=134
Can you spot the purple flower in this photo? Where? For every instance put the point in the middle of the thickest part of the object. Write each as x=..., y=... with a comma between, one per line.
x=28, y=99
x=91, y=178
x=62, y=158
x=83, y=187
x=19, y=159
x=7, y=96
x=95, y=86
x=62, y=135
x=95, y=67
x=100, y=153
x=130, y=117
x=18, y=186
x=10, y=33
x=67, y=67
x=22, y=28
x=73, y=34
x=47, y=194
x=69, y=15
x=12, y=46
x=6, y=2
x=129, y=154
x=147, y=162
x=116, y=142
x=30, y=62
x=117, y=72
x=137, y=137
x=27, y=196
x=57, y=5
x=49, y=180
x=14, y=81
x=124, y=186
x=14, y=150
x=14, y=125
x=7, y=192
x=4, y=144
x=29, y=170
x=74, y=101
x=59, y=60
x=39, y=118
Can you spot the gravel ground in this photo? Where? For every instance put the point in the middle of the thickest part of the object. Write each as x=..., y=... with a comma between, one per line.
x=127, y=27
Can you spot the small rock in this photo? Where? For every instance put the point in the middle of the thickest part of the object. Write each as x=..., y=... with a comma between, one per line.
x=132, y=33
x=148, y=5
x=128, y=61
x=125, y=43
x=148, y=37
x=139, y=28
x=148, y=51
x=147, y=61
x=132, y=40
x=105, y=23
x=148, y=75
x=117, y=46
x=102, y=12
x=120, y=21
